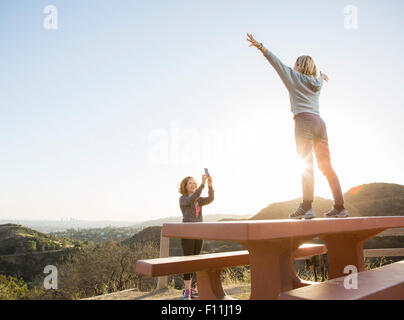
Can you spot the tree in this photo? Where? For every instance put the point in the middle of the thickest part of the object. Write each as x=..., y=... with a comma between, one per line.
x=30, y=246
x=96, y=270
x=12, y=288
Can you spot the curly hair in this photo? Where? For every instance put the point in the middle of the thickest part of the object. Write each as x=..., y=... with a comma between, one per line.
x=182, y=188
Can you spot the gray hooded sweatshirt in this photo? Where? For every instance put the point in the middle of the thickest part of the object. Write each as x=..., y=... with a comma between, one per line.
x=304, y=91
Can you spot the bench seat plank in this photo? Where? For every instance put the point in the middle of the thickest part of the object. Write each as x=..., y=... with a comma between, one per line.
x=390, y=252
x=384, y=283
x=185, y=264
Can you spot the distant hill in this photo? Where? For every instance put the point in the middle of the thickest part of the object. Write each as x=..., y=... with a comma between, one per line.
x=25, y=252
x=281, y=210
x=152, y=234
x=206, y=218
x=61, y=225
x=17, y=239
x=152, y=231
x=54, y=226
x=148, y=234
x=374, y=199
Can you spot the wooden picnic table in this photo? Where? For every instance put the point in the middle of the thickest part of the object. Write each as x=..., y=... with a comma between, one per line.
x=271, y=243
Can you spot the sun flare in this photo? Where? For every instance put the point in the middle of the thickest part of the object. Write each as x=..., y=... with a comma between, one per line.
x=304, y=165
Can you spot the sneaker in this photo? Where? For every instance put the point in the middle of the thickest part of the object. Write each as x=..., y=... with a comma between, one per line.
x=194, y=293
x=186, y=295
x=300, y=213
x=334, y=213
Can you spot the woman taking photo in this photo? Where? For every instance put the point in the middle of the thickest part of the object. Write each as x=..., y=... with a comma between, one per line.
x=310, y=130
x=191, y=204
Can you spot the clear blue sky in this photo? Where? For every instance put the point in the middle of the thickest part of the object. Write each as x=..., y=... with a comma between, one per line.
x=102, y=118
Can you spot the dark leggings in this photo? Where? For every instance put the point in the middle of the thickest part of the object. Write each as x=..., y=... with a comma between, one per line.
x=191, y=247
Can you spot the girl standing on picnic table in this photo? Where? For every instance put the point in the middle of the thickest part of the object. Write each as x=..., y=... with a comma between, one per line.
x=310, y=130
x=191, y=204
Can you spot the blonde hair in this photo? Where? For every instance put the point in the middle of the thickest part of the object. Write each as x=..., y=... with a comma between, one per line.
x=306, y=65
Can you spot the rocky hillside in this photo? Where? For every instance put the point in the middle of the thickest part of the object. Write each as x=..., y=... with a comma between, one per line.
x=17, y=239
x=25, y=252
x=374, y=199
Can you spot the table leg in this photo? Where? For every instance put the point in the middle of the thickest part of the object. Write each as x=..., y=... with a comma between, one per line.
x=209, y=285
x=346, y=249
x=271, y=268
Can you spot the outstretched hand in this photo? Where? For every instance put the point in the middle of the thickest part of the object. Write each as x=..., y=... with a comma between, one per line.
x=324, y=76
x=252, y=40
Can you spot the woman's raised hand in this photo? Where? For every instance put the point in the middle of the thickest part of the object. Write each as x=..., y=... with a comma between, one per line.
x=204, y=177
x=324, y=76
x=209, y=181
x=252, y=40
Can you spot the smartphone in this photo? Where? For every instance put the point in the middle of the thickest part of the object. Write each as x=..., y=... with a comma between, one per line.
x=207, y=172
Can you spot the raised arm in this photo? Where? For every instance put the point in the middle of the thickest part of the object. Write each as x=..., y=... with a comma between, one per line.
x=285, y=73
x=211, y=194
x=203, y=201
x=187, y=200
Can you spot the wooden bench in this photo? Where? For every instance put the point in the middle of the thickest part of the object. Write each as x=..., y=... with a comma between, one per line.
x=209, y=266
x=384, y=283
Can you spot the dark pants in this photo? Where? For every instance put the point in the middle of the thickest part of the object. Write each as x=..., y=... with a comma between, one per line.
x=311, y=133
x=191, y=247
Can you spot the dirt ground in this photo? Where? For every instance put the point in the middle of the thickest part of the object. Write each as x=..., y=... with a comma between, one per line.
x=233, y=291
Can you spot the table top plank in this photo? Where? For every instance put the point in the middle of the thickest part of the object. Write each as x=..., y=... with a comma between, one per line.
x=249, y=230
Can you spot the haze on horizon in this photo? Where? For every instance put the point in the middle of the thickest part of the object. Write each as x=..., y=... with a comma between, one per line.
x=103, y=117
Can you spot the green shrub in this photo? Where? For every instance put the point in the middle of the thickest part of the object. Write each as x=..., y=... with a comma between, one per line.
x=30, y=246
x=12, y=288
